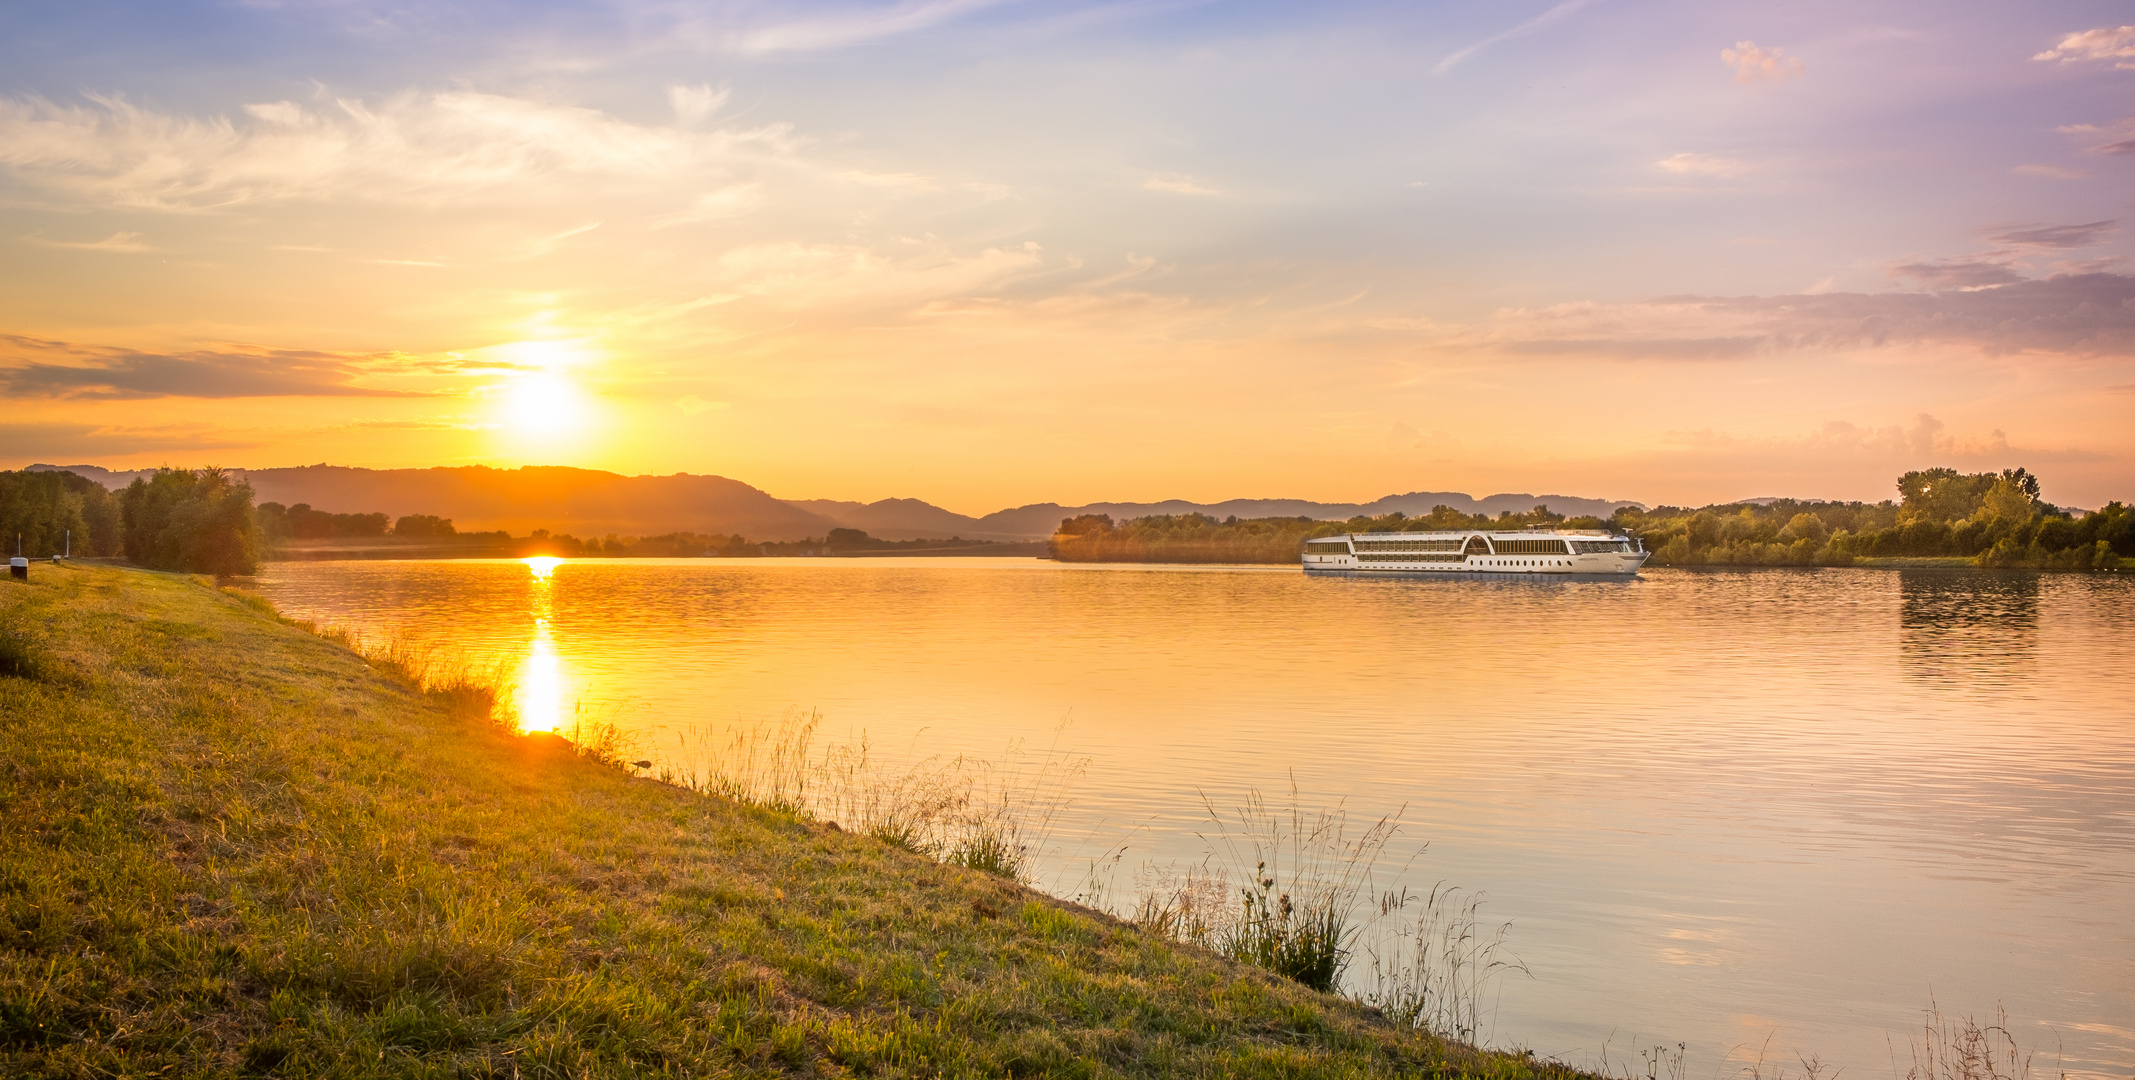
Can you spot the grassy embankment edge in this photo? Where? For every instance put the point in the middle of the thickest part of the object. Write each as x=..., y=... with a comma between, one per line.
x=230, y=846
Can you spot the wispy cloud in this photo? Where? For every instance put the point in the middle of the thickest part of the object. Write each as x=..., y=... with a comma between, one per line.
x=1754, y=63
x=2057, y=236
x=1970, y=273
x=421, y=149
x=65, y=439
x=864, y=280
x=2121, y=132
x=731, y=28
x=1831, y=445
x=125, y=243
x=2115, y=43
x=2070, y=314
x=693, y=104
x=1703, y=165
x=2056, y=172
x=1179, y=185
x=36, y=368
x=1530, y=26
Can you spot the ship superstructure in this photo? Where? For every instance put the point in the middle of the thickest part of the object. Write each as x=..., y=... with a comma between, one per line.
x=1478, y=551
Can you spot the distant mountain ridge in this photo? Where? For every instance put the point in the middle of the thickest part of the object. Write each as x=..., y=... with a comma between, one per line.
x=583, y=502
x=591, y=502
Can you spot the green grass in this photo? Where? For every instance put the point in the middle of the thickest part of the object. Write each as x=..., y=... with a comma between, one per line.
x=231, y=847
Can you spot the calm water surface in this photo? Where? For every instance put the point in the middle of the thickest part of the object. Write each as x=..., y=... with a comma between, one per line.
x=1718, y=807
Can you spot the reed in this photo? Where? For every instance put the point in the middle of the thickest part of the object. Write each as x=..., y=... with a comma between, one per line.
x=1298, y=911
x=994, y=817
x=907, y=808
x=1438, y=971
x=1967, y=1047
x=1185, y=906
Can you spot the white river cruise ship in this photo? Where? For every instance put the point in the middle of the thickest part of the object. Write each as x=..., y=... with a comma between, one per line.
x=1478, y=551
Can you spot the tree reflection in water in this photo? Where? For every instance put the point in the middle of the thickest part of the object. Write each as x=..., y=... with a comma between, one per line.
x=1968, y=628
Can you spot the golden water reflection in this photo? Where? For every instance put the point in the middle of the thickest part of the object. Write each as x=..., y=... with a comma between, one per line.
x=541, y=679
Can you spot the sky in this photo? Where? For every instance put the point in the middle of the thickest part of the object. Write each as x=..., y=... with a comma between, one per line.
x=989, y=253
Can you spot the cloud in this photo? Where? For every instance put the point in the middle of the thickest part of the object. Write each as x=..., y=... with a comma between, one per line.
x=1836, y=441
x=2116, y=43
x=727, y=30
x=127, y=243
x=694, y=103
x=412, y=149
x=2055, y=171
x=1530, y=26
x=1178, y=185
x=2083, y=314
x=2071, y=314
x=825, y=277
x=2121, y=132
x=1754, y=63
x=2057, y=236
x=1703, y=165
x=33, y=368
x=48, y=440
x=1972, y=273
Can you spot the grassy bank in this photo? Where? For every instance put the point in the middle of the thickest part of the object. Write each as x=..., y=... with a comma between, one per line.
x=230, y=847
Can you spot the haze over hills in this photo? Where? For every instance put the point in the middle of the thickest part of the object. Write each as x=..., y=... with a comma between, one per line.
x=590, y=502
x=583, y=502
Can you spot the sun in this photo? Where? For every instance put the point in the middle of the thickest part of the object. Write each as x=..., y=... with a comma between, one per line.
x=544, y=404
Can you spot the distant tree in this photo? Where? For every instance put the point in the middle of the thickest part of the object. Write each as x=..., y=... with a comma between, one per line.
x=423, y=525
x=1086, y=525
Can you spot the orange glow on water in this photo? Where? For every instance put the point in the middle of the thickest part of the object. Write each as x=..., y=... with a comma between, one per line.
x=541, y=679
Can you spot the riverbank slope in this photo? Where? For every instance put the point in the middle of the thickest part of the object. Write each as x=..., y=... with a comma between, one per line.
x=228, y=846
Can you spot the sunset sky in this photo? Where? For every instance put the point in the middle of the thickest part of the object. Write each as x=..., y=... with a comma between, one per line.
x=994, y=253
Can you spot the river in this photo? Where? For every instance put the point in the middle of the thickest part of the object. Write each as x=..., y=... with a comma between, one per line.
x=1773, y=811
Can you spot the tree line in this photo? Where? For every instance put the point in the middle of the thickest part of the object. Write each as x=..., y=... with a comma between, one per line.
x=196, y=520
x=1991, y=519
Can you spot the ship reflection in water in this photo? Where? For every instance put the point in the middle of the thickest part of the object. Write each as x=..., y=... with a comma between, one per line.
x=540, y=678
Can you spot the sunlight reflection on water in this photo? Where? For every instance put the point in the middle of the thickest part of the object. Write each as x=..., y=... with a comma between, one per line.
x=540, y=674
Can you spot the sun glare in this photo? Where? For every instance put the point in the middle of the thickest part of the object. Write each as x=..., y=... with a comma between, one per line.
x=542, y=565
x=544, y=404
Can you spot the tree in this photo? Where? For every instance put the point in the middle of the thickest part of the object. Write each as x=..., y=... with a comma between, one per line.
x=49, y=511
x=2008, y=501
x=200, y=521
